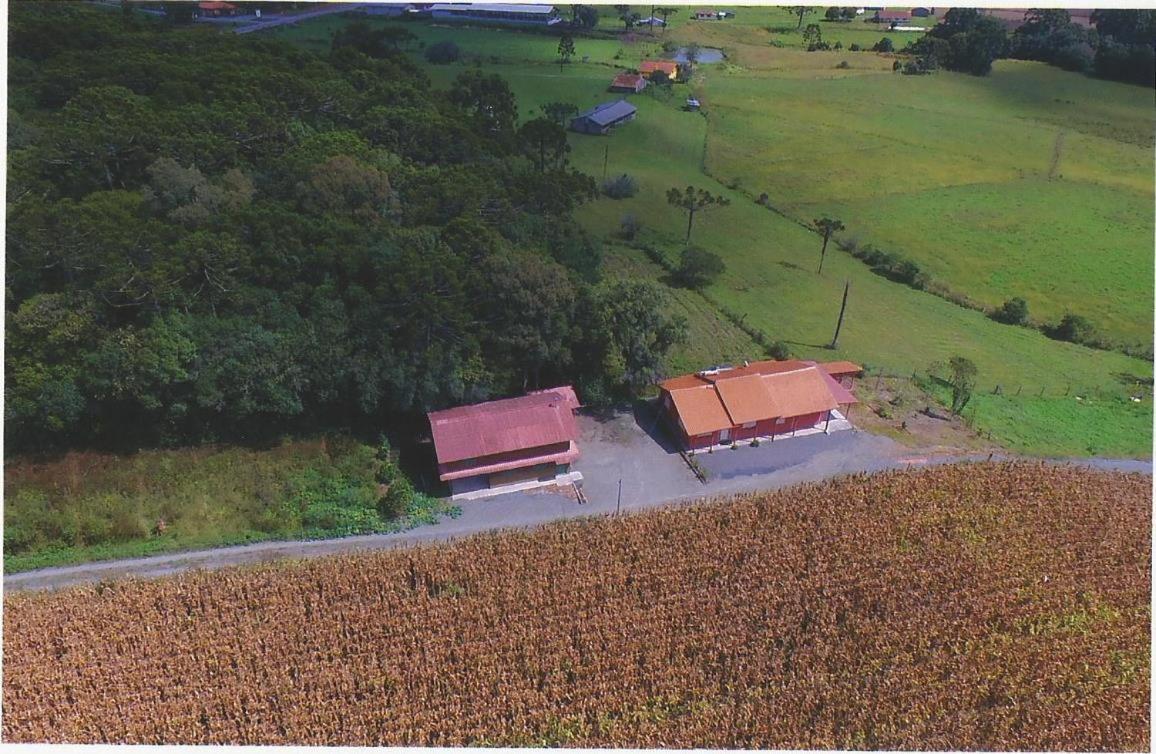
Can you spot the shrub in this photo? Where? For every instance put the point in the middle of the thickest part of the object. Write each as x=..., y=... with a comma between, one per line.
x=778, y=350
x=1013, y=312
x=764, y=199
x=843, y=64
x=855, y=47
x=1074, y=329
x=630, y=226
x=698, y=268
x=441, y=53
x=622, y=187
x=884, y=45
x=837, y=46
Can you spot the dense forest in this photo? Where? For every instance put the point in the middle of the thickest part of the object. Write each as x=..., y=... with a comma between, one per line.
x=1120, y=45
x=220, y=238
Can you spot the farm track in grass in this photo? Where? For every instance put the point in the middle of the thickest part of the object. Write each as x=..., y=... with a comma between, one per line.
x=980, y=606
x=892, y=156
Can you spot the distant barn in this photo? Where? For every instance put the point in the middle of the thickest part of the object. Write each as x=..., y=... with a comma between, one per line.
x=604, y=117
x=892, y=16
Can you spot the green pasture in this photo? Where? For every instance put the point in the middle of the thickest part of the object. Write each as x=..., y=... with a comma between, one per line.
x=1033, y=182
x=476, y=43
x=711, y=339
x=953, y=171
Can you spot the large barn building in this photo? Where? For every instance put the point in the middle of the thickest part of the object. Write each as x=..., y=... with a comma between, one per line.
x=513, y=443
x=762, y=399
x=604, y=117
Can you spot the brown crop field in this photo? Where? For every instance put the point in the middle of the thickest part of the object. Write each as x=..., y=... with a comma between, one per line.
x=988, y=606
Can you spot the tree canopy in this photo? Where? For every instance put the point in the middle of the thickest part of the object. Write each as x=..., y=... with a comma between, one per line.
x=280, y=242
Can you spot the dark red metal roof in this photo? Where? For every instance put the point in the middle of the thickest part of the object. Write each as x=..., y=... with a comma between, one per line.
x=484, y=429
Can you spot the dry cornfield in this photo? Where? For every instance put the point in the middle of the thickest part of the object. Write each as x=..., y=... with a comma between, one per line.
x=989, y=606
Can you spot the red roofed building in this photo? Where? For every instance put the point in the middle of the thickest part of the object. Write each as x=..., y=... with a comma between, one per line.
x=892, y=16
x=491, y=445
x=217, y=9
x=628, y=82
x=759, y=399
x=649, y=67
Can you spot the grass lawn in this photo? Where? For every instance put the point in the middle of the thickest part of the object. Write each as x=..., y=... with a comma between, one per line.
x=711, y=339
x=1067, y=425
x=1044, y=197
x=968, y=157
x=92, y=506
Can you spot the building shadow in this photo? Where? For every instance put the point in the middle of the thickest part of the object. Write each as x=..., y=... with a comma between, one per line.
x=648, y=415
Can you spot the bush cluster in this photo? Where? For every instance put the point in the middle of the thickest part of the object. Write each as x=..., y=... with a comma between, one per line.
x=888, y=264
x=621, y=187
x=441, y=53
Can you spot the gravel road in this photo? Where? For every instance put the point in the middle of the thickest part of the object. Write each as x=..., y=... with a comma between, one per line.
x=624, y=446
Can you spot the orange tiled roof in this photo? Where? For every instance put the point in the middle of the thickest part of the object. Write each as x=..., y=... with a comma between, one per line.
x=800, y=392
x=669, y=67
x=746, y=399
x=840, y=367
x=627, y=80
x=700, y=409
x=754, y=392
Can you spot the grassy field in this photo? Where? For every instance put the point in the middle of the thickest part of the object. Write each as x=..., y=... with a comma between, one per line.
x=91, y=506
x=892, y=156
x=993, y=189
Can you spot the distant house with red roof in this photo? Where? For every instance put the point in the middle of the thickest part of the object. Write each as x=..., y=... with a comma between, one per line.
x=628, y=82
x=649, y=67
x=487, y=448
x=217, y=9
x=759, y=399
x=892, y=16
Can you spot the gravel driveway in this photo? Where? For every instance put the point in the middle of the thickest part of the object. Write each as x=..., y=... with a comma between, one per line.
x=626, y=446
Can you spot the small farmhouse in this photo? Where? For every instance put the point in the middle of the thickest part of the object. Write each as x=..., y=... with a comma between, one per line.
x=922, y=12
x=649, y=67
x=217, y=9
x=762, y=399
x=705, y=15
x=604, y=117
x=628, y=82
x=489, y=448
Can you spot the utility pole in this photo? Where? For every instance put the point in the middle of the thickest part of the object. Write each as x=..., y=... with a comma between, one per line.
x=618, y=510
x=605, y=162
x=842, y=311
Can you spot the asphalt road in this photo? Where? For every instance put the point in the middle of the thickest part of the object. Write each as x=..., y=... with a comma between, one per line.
x=622, y=447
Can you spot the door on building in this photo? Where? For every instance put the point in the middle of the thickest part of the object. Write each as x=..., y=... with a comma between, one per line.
x=724, y=435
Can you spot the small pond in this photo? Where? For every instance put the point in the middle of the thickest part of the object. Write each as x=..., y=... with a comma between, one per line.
x=705, y=55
